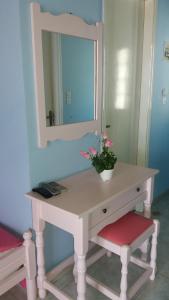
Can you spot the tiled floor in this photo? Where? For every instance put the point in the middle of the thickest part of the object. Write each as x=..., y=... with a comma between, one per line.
x=104, y=268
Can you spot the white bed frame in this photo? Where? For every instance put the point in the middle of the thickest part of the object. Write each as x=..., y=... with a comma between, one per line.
x=17, y=264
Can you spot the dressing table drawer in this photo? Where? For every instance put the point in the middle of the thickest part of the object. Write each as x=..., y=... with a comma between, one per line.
x=114, y=204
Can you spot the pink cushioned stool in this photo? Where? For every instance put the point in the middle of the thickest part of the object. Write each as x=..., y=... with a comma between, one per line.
x=17, y=262
x=122, y=238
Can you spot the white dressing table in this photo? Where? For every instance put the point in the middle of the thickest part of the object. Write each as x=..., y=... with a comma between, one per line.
x=83, y=210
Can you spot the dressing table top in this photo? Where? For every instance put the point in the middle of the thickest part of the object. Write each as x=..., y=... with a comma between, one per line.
x=86, y=191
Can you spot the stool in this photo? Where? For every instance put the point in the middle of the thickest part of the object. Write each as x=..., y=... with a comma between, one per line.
x=17, y=262
x=122, y=238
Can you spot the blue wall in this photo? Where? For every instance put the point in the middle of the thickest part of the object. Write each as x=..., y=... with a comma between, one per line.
x=159, y=134
x=15, y=211
x=23, y=164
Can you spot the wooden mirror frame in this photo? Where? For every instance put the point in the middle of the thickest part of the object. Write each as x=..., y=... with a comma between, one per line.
x=74, y=26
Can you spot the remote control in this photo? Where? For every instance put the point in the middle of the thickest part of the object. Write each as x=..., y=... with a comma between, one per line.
x=58, y=186
x=42, y=191
x=51, y=187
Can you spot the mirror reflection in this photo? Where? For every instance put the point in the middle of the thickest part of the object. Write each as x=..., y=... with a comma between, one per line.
x=68, y=64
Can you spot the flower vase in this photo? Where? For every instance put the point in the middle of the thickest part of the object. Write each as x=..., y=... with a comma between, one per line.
x=106, y=174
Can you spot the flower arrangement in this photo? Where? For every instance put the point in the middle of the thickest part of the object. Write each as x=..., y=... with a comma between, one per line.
x=105, y=160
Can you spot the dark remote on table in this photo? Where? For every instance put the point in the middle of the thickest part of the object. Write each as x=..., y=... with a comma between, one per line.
x=43, y=192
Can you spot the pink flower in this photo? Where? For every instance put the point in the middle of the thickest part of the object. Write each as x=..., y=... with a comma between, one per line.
x=104, y=135
x=85, y=154
x=108, y=143
x=93, y=150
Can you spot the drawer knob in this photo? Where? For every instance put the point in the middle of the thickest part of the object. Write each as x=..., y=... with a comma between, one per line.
x=138, y=189
x=105, y=210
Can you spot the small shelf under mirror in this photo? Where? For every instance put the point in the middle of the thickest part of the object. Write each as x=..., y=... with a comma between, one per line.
x=68, y=75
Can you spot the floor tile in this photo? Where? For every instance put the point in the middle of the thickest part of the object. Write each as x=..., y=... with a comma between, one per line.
x=155, y=290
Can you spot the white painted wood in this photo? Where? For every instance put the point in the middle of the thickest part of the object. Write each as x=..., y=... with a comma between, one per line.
x=108, y=253
x=16, y=293
x=139, y=262
x=92, y=259
x=55, y=217
x=40, y=263
x=154, y=249
x=147, y=81
x=39, y=226
x=4, y=254
x=69, y=262
x=147, y=212
x=143, y=237
x=75, y=26
x=146, y=208
x=11, y=280
x=71, y=131
x=81, y=277
x=65, y=23
x=17, y=265
x=116, y=248
x=144, y=109
x=30, y=265
x=87, y=193
x=102, y=288
x=51, y=275
x=123, y=38
x=10, y=262
x=118, y=214
x=149, y=199
x=75, y=268
x=144, y=249
x=125, y=255
x=103, y=212
x=106, y=244
x=139, y=283
x=55, y=291
x=81, y=249
x=75, y=209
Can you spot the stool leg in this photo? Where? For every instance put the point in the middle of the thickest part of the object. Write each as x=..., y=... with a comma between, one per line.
x=109, y=253
x=144, y=250
x=124, y=257
x=30, y=265
x=153, y=253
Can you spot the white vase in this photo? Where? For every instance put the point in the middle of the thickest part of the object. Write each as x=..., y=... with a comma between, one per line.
x=106, y=174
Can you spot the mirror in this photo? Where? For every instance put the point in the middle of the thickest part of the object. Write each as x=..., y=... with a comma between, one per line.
x=68, y=64
x=67, y=55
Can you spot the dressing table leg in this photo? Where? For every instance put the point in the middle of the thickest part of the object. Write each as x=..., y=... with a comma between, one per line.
x=147, y=213
x=149, y=198
x=40, y=262
x=75, y=268
x=81, y=277
x=81, y=249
